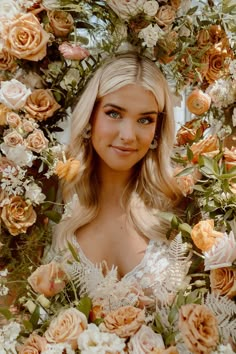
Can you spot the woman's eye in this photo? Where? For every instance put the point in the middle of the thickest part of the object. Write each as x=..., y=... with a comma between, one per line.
x=113, y=114
x=146, y=120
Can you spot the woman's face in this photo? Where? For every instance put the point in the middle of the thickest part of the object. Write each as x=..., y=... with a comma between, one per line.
x=123, y=126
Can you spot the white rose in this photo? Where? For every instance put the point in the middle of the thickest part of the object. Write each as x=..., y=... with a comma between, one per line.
x=14, y=94
x=125, y=9
x=34, y=193
x=9, y=9
x=222, y=253
x=150, y=8
x=144, y=341
x=94, y=341
x=150, y=35
x=18, y=154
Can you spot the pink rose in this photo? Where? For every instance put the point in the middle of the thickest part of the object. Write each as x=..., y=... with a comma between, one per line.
x=13, y=139
x=222, y=253
x=33, y=345
x=144, y=341
x=124, y=321
x=67, y=327
x=49, y=279
x=13, y=119
x=13, y=94
x=73, y=52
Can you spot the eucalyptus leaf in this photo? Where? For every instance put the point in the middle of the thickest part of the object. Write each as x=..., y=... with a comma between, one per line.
x=85, y=305
x=34, y=319
x=73, y=252
x=6, y=313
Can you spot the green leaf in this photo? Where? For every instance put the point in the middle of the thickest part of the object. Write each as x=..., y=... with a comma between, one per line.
x=85, y=305
x=28, y=325
x=6, y=313
x=185, y=228
x=186, y=171
x=189, y=153
x=34, y=319
x=73, y=252
x=158, y=327
x=199, y=188
x=53, y=215
x=192, y=10
x=172, y=314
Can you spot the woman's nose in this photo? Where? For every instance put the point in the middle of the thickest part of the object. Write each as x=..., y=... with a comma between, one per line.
x=127, y=131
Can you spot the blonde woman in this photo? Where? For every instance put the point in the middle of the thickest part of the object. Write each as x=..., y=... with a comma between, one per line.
x=122, y=133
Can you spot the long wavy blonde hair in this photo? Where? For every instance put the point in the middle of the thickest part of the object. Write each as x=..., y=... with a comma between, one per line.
x=152, y=187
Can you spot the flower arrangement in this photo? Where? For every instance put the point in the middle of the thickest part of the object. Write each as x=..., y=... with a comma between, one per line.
x=48, y=50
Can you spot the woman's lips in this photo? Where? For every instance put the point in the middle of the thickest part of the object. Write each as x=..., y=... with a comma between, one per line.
x=123, y=150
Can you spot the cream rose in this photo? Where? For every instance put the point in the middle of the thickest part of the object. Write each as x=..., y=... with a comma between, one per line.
x=144, y=341
x=124, y=321
x=41, y=104
x=151, y=7
x=198, y=327
x=48, y=279
x=33, y=345
x=222, y=253
x=36, y=141
x=25, y=38
x=165, y=15
x=66, y=327
x=7, y=61
x=204, y=236
x=13, y=94
x=13, y=139
x=13, y=119
x=18, y=216
x=223, y=282
x=126, y=9
x=61, y=22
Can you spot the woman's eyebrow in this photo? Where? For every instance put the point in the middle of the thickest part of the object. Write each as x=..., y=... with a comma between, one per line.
x=124, y=110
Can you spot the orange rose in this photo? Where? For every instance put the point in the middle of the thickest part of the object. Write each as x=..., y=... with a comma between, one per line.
x=61, y=22
x=205, y=146
x=198, y=326
x=204, y=236
x=66, y=327
x=36, y=141
x=25, y=38
x=68, y=170
x=7, y=61
x=230, y=157
x=124, y=321
x=198, y=102
x=18, y=216
x=217, y=64
x=41, y=104
x=33, y=345
x=223, y=281
x=165, y=15
x=48, y=279
x=191, y=130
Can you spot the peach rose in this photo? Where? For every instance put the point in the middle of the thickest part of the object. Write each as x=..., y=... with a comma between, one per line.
x=13, y=139
x=36, y=141
x=198, y=102
x=191, y=130
x=49, y=279
x=124, y=321
x=165, y=15
x=198, y=326
x=13, y=119
x=25, y=38
x=66, y=327
x=14, y=94
x=230, y=157
x=33, y=345
x=186, y=184
x=68, y=170
x=41, y=104
x=144, y=341
x=18, y=216
x=29, y=125
x=72, y=51
x=204, y=236
x=205, y=146
x=7, y=61
x=217, y=64
x=222, y=253
x=170, y=350
x=3, y=113
x=223, y=281
x=61, y=22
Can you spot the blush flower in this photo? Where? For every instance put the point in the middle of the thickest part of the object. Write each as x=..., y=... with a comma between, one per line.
x=222, y=253
x=73, y=52
x=204, y=236
x=199, y=328
x=66, y=327
x=13, y=94
x=126, y=9
x=35, y=344
x=36, y=141
x=144, y=341
x=13, y=119
x=48, y=279
x=124, y=321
